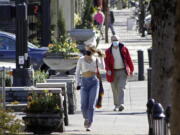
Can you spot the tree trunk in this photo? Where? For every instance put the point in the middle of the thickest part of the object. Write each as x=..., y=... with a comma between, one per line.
x=175, y=121
x=163, y=18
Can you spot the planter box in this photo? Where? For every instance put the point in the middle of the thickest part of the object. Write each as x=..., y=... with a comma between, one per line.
x=63, y=86
x=71, y=92
x=59, y=63
x=82, y=34
x=43, y=123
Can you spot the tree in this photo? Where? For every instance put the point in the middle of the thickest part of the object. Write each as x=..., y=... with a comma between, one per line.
x=61, y=26
x=175, y=121
x=163, y=19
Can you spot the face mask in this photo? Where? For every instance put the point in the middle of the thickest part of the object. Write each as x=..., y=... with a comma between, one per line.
x=88, y=53
x=115, y=43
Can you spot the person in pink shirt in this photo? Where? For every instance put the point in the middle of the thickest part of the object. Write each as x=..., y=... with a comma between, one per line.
x=99, y=20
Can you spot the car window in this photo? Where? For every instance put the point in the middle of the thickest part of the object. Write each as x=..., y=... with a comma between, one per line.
x=7, y=43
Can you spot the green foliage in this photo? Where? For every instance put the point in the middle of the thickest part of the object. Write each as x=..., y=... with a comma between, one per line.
x=8, y=78
x=46, y=102
x=40, y=76
x=8, y=123
x=87, y=19
x=35, y=30
x=77, y=19
x=66, y=47
x=61, y=26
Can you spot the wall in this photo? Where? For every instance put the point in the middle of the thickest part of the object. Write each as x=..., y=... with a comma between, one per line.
x=67, y=7
x=54, y=16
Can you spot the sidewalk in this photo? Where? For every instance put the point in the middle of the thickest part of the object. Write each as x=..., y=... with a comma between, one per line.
x=131, y=121
x=131, y=39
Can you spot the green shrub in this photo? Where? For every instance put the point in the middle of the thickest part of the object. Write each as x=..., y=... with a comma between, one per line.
x=7, y=78
x=45, y=102
x=8, y=123
x=40, y=76
x=61, y=26
x=87, y=19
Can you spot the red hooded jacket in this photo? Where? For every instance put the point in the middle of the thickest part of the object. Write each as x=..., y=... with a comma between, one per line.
x=109, y=61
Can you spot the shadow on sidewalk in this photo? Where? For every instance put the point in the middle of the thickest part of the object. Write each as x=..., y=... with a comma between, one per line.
x=119, y=113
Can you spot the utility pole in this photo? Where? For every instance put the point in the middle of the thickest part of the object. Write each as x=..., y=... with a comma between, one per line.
x=23, y=73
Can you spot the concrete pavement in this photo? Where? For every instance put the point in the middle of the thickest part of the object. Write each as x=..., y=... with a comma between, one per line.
x=133, y=120
x=131, y=38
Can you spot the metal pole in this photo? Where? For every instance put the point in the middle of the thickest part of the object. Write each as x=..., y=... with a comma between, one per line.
x=140, y=65
x=45, y=19
x=150, y=105
x=3, y=88
x=149, y=82
x=22, y=74
x=150, y=56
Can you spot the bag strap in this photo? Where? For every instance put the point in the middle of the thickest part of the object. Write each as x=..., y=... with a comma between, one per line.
x=97, y=66
x=98, y=73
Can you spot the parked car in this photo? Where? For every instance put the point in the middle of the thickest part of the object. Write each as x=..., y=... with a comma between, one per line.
x=147, y=24
x=8, y=51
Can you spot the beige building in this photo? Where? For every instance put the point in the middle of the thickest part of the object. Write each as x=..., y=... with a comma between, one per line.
x=68, y=9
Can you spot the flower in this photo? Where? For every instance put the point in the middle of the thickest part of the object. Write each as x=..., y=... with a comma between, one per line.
x=46, y=102
x=64, y=46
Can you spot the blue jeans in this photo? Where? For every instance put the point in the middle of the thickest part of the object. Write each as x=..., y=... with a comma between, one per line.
x=89, y=95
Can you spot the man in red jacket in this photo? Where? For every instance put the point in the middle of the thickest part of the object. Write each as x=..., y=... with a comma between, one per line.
x=118, y=65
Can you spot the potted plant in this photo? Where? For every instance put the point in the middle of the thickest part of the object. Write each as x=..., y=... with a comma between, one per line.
x=44, y=113
x=85, y=30
x=62, y=55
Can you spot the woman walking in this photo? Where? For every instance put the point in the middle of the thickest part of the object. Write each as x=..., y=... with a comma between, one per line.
x=89, y=83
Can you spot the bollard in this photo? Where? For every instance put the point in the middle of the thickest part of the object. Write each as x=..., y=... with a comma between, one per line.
x=149, y=82
x=167, y=120
x=150, y=56
x=150, y=105
x=158, y=119
x=140, y=65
